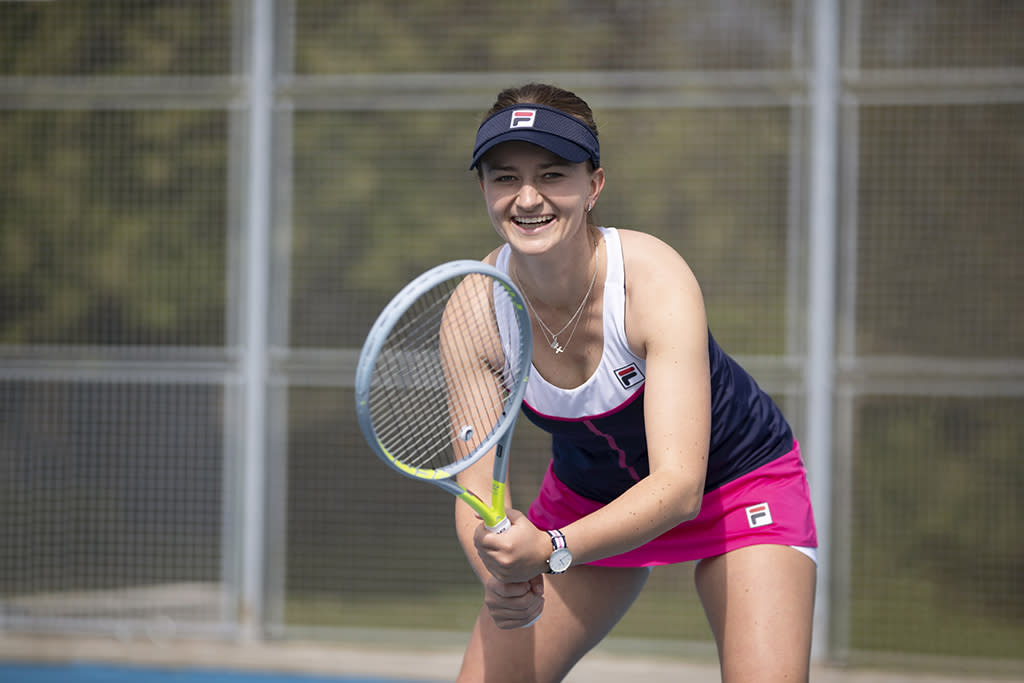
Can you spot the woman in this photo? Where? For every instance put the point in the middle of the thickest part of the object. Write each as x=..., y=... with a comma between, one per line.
x=664, y=449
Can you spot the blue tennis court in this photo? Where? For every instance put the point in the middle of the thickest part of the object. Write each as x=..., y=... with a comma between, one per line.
x=95, y=673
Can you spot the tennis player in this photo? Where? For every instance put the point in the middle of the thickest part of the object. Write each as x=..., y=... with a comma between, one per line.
x=664, y=449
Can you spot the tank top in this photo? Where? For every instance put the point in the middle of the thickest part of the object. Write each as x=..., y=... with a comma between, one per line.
x=599, y=444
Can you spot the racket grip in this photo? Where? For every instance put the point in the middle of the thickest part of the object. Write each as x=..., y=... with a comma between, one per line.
x=501, y=527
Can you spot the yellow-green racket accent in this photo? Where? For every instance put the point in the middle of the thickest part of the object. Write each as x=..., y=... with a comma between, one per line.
x=441, y=377
x=491, y=514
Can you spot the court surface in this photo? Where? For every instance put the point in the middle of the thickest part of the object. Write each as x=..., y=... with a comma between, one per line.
x=96, y=673
x=99, y=660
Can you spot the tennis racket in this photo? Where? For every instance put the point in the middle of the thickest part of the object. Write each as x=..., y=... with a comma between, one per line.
x=441, y=377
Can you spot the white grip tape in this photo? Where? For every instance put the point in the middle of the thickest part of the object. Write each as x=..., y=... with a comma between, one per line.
x=501, y=527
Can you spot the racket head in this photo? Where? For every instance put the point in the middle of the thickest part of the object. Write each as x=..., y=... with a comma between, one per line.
x=443, y=370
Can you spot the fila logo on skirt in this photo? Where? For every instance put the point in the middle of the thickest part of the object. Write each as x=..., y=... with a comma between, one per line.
x=759, y=515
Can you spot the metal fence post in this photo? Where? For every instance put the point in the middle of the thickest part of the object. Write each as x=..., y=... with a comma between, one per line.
x=820, y=375
x=256, y=296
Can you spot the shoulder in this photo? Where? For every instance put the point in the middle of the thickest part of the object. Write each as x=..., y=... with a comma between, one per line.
x=649, y=262
x=663, y=298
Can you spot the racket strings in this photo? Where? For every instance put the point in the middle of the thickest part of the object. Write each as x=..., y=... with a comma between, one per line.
x=438, y=389
x=408, y=397
x=418, y=425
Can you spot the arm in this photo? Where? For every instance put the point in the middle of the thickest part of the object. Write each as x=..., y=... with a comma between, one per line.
x=673, y=339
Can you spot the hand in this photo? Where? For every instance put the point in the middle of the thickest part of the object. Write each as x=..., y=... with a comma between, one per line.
x=514, y=605
x=517, y=555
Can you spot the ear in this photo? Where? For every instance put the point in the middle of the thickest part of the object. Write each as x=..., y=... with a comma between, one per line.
x=596, y=185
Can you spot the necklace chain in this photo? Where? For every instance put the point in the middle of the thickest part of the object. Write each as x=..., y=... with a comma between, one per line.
x=574, y=321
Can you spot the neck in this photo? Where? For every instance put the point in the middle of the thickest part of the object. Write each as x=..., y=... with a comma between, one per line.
x=560, y=278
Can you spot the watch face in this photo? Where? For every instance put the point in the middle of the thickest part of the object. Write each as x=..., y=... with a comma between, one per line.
x=560, y=560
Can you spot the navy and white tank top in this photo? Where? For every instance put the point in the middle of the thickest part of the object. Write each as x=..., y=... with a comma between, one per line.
x=599, y=442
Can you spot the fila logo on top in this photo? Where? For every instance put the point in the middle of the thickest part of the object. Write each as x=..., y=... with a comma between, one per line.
x=758, y=515
x=523, y=118
x=629, y=376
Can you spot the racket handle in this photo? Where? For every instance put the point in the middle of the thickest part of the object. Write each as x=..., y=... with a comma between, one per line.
x=501, y=527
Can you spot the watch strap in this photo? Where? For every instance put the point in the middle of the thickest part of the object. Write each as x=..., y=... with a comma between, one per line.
x=559, y=551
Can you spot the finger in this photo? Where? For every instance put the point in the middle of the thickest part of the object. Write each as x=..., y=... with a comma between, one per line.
x=511, y=590
x=515, y=613
x=513, y=515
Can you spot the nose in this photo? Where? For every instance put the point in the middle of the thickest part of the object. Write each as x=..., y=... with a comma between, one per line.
x=528, y=197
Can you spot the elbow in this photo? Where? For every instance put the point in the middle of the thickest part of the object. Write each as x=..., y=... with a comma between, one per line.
x=679, y=497
x=689, y=506
x=688, y=499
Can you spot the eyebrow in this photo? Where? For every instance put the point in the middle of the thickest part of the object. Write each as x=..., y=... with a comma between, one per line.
x=543, y=166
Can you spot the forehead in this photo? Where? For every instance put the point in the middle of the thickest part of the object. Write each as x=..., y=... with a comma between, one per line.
x=519, y=153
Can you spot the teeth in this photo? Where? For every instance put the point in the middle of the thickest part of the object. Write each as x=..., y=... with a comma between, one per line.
x=538, y=220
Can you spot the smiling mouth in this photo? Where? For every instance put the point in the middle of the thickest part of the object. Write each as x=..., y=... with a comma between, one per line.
x=532, y=221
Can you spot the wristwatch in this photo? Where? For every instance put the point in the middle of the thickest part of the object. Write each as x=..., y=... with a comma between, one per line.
x=561, y=556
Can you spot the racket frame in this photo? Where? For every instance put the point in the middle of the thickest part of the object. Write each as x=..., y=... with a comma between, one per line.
x=492, y=513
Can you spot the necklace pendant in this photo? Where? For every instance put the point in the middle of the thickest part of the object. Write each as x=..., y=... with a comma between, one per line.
x=556, y=346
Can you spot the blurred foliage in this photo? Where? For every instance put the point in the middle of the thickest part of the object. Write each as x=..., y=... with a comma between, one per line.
x=113, y=227
x=400, y=36
x=940, y=230
x=379, y=197
x=937, y=34
x=720, y=196
x=115, y=38
x=937, y=512
x=117, y=229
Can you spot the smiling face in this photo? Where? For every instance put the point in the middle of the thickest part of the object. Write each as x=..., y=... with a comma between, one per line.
x=535, y=198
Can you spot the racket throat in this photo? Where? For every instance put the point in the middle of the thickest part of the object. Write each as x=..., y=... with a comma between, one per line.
x=494, y=519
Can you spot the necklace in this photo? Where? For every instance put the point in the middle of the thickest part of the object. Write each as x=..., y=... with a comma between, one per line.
x=574, y=321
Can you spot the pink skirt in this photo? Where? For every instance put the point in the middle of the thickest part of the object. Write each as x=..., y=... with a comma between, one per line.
x=771, y=504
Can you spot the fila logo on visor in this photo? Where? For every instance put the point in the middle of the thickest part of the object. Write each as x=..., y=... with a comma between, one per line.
x=523, y=118
x=759, y=515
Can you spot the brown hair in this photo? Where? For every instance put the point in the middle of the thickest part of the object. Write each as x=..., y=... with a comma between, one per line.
x=548, y=95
